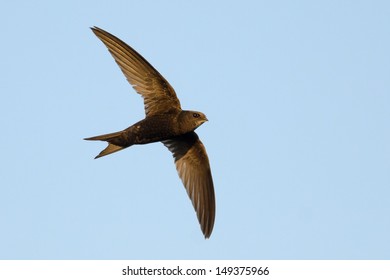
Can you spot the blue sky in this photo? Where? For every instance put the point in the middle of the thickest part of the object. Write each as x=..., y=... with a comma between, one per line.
x=298, y=98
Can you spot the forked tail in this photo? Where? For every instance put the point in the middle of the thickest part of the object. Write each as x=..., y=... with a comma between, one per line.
x=115, y=143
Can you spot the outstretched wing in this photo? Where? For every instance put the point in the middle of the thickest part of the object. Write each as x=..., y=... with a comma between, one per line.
x=159, y=96
x=193, y=167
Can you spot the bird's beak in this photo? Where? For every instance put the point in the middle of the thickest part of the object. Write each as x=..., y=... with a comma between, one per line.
x=202, y=121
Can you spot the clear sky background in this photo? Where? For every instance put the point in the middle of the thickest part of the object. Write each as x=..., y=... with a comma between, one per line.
x=298, y=98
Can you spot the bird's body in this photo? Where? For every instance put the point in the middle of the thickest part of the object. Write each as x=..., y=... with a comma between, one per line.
x=149, y=130
x=164, y=122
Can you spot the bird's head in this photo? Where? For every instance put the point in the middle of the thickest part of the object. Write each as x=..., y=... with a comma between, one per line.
x=191, y=120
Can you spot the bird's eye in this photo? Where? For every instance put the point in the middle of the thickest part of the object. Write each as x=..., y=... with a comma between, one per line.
x=195, y=115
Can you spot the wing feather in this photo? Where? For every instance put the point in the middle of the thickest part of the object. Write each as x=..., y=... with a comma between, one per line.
x=194, y=170
x=159, y=96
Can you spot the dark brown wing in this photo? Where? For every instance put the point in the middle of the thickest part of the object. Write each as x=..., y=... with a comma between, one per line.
x=193, y=167
x=159, y=96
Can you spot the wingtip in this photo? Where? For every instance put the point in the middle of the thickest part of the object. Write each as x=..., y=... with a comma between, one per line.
x=207, y=235
x=95, y=29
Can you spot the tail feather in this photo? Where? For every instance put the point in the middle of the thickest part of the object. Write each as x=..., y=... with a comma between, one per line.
x=111, y=148
x=105, y=137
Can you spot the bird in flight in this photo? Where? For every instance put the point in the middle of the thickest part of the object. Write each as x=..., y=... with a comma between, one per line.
x=164, y=122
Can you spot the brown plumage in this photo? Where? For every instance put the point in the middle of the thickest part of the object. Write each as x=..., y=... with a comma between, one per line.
x=164, y=122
